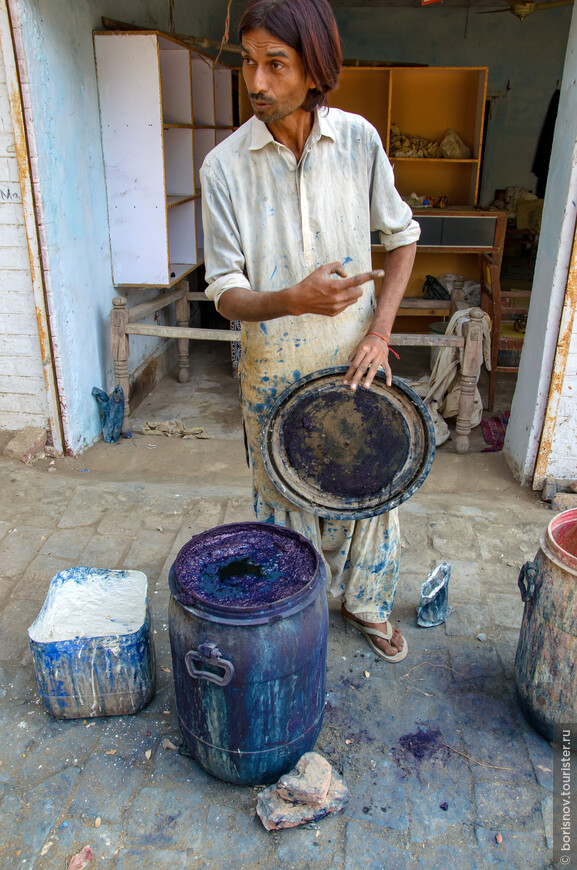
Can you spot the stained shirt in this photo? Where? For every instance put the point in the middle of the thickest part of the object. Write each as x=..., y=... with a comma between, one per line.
x=270, y=220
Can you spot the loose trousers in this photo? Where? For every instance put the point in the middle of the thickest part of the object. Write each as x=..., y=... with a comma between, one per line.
x=361, y=556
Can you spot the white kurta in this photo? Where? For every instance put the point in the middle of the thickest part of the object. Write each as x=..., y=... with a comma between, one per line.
x=268, y=223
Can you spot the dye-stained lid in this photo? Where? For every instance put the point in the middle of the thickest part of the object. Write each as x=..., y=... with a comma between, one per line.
x=345, y=454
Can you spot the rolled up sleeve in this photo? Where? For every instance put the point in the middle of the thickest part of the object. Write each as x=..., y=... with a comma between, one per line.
x=391, y=217
x=223, y=257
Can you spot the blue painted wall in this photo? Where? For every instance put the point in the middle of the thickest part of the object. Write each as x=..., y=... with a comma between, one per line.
x=60, y=57
x=525, y=61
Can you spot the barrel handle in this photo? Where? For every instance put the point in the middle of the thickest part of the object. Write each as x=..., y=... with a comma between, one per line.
x=209, y=653
x=529, y=573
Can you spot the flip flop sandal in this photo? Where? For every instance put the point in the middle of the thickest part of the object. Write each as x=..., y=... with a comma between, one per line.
x=369, y=633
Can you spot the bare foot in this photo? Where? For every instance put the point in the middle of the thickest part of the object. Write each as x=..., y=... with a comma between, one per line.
x=390, y=648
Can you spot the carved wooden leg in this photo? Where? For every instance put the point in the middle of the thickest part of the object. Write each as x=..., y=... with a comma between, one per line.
x=470, y=369
x=120, y=349
x=494, y=280
x=183, y=319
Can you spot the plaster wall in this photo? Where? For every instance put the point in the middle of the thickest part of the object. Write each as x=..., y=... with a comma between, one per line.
x=525, y=61
x=60, y=81
x=22, y=388
x=547, y=302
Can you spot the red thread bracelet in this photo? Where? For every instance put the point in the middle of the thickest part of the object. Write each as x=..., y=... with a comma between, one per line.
x=394, y=352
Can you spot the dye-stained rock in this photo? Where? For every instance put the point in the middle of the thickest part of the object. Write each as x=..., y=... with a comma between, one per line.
x=275, y=812
x=308, y=782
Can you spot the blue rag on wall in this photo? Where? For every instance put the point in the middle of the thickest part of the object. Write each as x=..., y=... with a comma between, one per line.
x=111, y=412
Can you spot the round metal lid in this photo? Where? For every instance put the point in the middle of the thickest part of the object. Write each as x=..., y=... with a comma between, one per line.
x=345, y=454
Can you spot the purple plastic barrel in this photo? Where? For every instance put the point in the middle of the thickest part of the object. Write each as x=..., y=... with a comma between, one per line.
x=248, y=625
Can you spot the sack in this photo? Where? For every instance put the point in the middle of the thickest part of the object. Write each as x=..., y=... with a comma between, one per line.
x=111, y=412
x=453, y=147
x=433, y=289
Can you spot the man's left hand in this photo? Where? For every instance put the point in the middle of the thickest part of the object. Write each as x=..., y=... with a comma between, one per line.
x=370, y=354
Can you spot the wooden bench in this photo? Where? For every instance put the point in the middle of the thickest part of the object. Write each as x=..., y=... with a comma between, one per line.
x=125, y=321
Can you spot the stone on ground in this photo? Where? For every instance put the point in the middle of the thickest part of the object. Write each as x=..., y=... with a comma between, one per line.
x=27, y=444
x=564, y=501
x=276, y=812
x=308, y=782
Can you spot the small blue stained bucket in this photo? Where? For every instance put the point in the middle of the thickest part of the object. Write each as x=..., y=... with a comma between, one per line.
x=248, y=623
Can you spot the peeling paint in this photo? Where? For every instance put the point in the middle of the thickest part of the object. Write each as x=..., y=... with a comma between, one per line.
x=27, y=201
x=566, y=329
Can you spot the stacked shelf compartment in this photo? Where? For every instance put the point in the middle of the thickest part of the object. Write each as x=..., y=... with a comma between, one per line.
x=428, y=101
x=162, y=108
x=180, y=189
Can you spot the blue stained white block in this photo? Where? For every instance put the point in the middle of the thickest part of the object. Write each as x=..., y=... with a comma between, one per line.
x=92, y=644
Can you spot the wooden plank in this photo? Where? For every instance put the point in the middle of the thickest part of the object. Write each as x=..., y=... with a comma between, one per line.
x=171, y=201
x=440, y=304
x=183, y=332
x=139, y=312
x=399, y=339
x=416, y=340
x=129, y=94
x=197, y=297
x=441, y=249
x=193, y=41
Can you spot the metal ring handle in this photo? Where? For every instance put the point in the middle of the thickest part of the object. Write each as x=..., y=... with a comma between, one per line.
x=209, y=654
x=529, y=574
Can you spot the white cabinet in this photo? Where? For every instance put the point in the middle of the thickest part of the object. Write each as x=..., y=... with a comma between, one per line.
x=163, y=107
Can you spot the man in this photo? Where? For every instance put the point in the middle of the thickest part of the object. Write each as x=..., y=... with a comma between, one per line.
x=289, y=203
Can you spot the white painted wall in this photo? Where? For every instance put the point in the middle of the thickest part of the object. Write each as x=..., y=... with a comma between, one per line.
x=547, y=299
x=22, y=389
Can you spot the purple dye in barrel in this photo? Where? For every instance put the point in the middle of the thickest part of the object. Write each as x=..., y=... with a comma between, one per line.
x=244, y=566
x=349, y=442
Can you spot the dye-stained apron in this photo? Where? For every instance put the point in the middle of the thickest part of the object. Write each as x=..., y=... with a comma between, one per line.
x=362, y=556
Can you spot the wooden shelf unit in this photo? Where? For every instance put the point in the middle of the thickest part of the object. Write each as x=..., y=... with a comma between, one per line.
x=453, y=241
x=428, y=101
x=425, y=102
x=163, y=107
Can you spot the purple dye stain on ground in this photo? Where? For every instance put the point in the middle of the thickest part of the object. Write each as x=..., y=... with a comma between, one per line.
x=422, y=744
x=244, y=566
x=346, y=443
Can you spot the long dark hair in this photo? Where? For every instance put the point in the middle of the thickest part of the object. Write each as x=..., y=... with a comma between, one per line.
x=310, y=28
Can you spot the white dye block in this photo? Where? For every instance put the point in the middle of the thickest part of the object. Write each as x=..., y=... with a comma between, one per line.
x=92, y=644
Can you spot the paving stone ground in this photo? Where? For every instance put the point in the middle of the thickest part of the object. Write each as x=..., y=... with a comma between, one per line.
x=435, y=751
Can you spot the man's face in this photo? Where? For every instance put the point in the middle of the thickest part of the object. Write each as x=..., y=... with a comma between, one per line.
x=274, y=76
